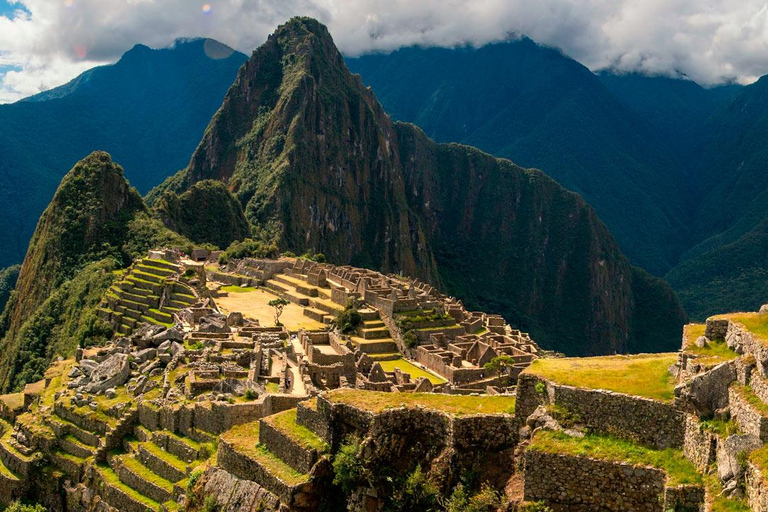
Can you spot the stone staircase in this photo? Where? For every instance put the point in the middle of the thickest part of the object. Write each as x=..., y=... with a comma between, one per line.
x=374, y=337
x=278, y=452
x=151, y=471
x=146, y=295
x=315, y=300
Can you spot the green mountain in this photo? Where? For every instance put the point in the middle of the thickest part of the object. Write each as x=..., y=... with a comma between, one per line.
x=318, y=165
x=149, y=110
x=539, y=108
x=206, y=213
x=96, y=223
x=8, y=277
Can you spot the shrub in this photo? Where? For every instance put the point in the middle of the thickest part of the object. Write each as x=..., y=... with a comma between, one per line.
x=250, y=394
x=193, y=478
x=349, y=320
x=410, y=339
x=210, y=504
x=347, y=465
x=416, y=494
x=248, y=248
x=17, y=506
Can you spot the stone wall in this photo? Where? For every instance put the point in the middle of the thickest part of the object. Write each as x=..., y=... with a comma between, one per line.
x=757, y=489
x=748, y=418
x=575, y=484
x=646, y=421
x=700, y=446
x=314, y=420
x=233, y=494
x=716, y=329
x=288, y=450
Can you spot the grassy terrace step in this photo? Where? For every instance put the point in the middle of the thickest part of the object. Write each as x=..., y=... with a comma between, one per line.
x=113, y=486
x=376, y=333
x=150, y=320
x=378, y=346
x=70, y=464
x=389, y=365
x=74, y=446
x=245, y=440
x=386, y=356
x=716, y=351
x=155, y=271
x=645, y=375
x=7, y=474
x=285, y=422
x=139, y=477
x=167, y=265
x=459, y=405
x=159, y=315
x=182, y=447
x=138, y=282
x=369, y=314
x=177, y=304
x=161, y=462
x=680, y=471
x=148, y=277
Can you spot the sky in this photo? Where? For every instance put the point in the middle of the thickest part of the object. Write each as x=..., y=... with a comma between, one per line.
x=45, y=43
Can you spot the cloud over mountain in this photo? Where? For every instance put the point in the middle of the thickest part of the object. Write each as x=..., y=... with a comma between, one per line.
x=43, y=42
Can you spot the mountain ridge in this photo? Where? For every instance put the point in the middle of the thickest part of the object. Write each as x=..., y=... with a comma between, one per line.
x=358, y=176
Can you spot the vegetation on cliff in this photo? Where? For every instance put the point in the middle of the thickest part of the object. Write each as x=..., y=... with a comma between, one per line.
x=319, y=166
x=8, y=277
x=206, y=213
x=96, y=223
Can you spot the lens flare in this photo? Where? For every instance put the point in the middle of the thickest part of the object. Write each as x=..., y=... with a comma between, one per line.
x=206, y=8
x=80, y=50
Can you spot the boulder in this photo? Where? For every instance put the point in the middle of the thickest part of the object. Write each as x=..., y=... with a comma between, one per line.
x=144, y=355
x=701, y=342
x=764, y=309
x=235, y=319
x=110, y=393
x=214, y=322
x=87, y=366
x=111, y=373
x=172, y=334
x=729, y=452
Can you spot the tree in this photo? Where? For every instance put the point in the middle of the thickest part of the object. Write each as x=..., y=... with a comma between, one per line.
x=501, y=364
x=278, y=304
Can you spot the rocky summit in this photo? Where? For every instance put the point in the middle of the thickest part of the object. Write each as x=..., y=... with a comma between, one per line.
x=318, y=165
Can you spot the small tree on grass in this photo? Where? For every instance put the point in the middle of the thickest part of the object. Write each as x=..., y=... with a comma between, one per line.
x=501, y=365
x=279, y=304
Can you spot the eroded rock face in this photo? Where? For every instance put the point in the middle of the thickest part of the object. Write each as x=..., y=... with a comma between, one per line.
x=215, y=322
x=728, y=455
x=113, y=372
x=707, y=392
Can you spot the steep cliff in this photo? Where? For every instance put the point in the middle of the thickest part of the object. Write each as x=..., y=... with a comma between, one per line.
x=318, y=165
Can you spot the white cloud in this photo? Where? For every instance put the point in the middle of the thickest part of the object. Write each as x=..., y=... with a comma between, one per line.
x=54, y=40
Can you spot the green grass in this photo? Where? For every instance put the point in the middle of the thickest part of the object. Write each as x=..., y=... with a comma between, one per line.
x=238, y=289
x=755, y=323
x=645, y=375
x=286, y=423
x=141, y=470
x=170, y=458
x=746, y=393
x=723, y=428
x=717, y=351
x=111, y=478
x=272, y=387
x=376, y=401
x=722, y=503
x=413, y=370
x=245, y=438
x=760, y=459
x=680, y=471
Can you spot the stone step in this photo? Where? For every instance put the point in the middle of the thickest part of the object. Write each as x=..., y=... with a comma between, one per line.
x=378, y=346
x=326, y=305
x=133, y=313
x=153, y=270
x=72, y=445
x=121, y=496
x=147, y=300
x=159, y=316
x=140, y=478
x=315, y=314
x=386, y=356
x=149, y=277
x=177, y=304
x=294, y=444
x=184, y=298
x=167, y=265
x=373, y=324
x=159, y=461
x=287, y=292
x=181, y=447
x=298, y=285
x=138, y=282
x=89, y=427
x=376, y=333
x=368, y=314
x=240, y=454
x=70, y=464
x=150, y=320
x=310, y=417
x=124, y=330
